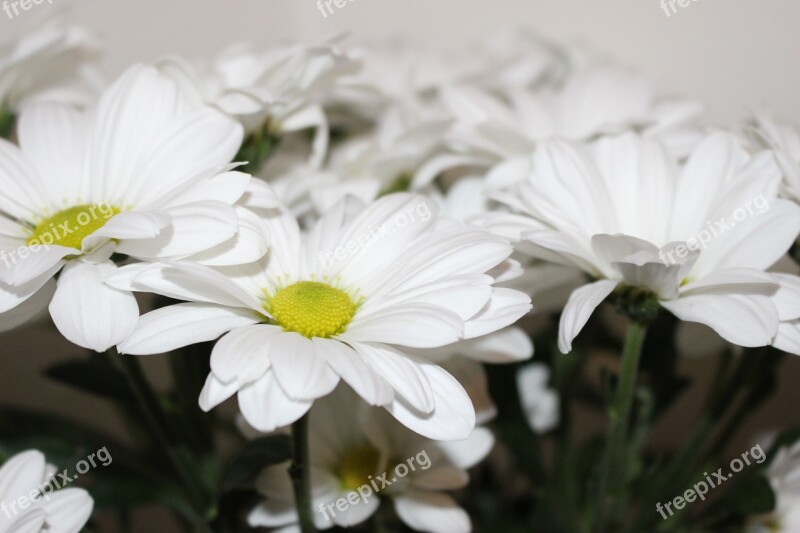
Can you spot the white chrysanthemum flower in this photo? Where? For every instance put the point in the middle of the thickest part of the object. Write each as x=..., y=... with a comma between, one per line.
x=142, y=175
x=540, y=403
x=500, y=132
x=363, y=456
x=696, y=238
x=784, y=476
x=272, y=92
x=784, y=139
x=29, y=505
x=391, y=159
x=342, y=301
x=55, y=63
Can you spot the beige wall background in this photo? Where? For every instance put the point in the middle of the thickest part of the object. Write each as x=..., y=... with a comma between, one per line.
x=734, y=55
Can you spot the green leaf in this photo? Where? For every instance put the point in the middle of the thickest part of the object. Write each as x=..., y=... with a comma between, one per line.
x=751, y=497
x=96, y=375
x=255, y=456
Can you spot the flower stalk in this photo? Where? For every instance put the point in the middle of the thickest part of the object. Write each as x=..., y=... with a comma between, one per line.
x=300, y=474
x=614, y=472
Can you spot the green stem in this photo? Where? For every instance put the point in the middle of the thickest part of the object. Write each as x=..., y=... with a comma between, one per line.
x=613, y=474
x=300, y=473
x=161, y=431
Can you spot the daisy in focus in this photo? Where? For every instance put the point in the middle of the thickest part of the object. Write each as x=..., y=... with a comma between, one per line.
x=693, y=238
x=361, y=458
x=146, y=175
x=29, y=505
x=343, y=301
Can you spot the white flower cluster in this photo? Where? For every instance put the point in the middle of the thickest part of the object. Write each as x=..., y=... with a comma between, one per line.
x=398, y=211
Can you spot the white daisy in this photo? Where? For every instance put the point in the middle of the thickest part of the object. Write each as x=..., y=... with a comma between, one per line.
x=29, y=505
x=142, y=175
x=270, y=93
x=499, y=132
x=360, y=457
x=696, y=238
x=343, y=301
x=55, y=63
x=784, y=476
x=390, y=159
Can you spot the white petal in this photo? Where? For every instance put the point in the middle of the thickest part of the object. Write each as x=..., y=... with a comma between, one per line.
x=68, y=510
x=30, y=309
x=266, y=407
x=30, y=262
x=352, y=368
x=467, y=453
x=433, y=512
x=215, y=392
x=175, y=326
x=582, y=303
x=405, y=375
x=415, y=325
x=129, y=225
x=748, y=321
x=248, y=245
x=788, y=337
x=243, y=355
x=88, y=312
x=505, y=307
x=301, y=371
x=21, y=473
x=504, y=346
x=453, y=417
x=194, y=228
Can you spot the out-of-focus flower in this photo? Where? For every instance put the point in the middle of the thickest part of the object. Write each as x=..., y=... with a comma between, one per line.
x=55, y=63
x=784, y=139
x=30, y=505
x=273, y=92
x=784, y=476
x=540, y=403
x=360, y=457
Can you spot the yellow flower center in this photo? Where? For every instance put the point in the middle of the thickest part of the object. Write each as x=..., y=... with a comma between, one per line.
x=312, y=309
x=70, y=226
x=357, y=466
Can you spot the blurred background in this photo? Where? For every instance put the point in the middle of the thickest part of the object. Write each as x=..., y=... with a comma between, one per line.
x=736, y=56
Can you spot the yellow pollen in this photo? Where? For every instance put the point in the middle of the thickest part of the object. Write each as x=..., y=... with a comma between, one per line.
x=70, y=226
x=312, y=309
x=357, y=466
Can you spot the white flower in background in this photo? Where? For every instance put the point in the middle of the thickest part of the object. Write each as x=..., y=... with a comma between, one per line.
x=696, y=237
x=273, y=92
x=54, y=63
x=499, y=132
x=352, y=445
x=395, y=72
x=540, y=403
x=391, y=159
x=145, y=175
x=341, y=302
x=784, y=139
x=30, y=506
x=784, y=476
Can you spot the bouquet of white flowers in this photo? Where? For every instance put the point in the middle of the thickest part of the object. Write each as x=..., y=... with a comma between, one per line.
x=363, y=245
